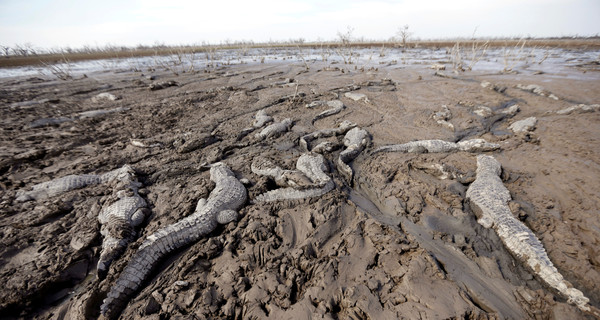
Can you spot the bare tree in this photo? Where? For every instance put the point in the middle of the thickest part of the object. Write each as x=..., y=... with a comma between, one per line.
x=24, y=49
x=301, y=56
x=5, y=50
x=404, y=35
x=345, y=49
x=456, y=58
x=346, y=37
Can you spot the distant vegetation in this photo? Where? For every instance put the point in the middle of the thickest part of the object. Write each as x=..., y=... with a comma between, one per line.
x=27, y=54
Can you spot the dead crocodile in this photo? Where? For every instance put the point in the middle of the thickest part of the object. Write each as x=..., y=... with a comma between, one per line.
x=58, y=186
x=342, y=128
x=432, y=146
x=355, y=141
x=275, y=129
x=313, y=167
x=489, y=198
x=283, y=178
x=336, y=106
x=261, y=118
x=119, y=221
x=228, y=196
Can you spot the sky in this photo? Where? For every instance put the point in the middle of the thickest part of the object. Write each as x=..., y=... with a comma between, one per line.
x=76, y=23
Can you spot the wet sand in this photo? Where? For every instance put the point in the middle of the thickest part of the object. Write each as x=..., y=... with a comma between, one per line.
x=398, y=241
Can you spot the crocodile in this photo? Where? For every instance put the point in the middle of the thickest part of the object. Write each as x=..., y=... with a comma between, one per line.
x=342, y=128
x=275, y=129
x=261, y=118
x=325, y=146
x=118, y=222
x=580, y=108
x=228, y=196
x=162, y=85
x=70, y=182
x=534, y=88
x=355, y=141
x=356, y=96
x=442, y=117
x=432, y=146
x=283, y=178
x=97, y=113
x=317, y=103
x=310, y=165
x=336, y=107
x=489, y=200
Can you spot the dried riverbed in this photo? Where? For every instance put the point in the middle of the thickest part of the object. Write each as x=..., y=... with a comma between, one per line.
x=399, y=240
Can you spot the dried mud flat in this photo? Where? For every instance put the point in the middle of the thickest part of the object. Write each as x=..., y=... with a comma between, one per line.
x=397, y=241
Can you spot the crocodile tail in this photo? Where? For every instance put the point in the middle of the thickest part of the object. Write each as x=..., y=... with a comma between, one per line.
x=304, y=142
x=112, y=248
x=120, y=173
x=56, y=187
x=391, y=148
x=349, y=154
x=130, y=279
x=76, y=182
x=155, y=247
x=328, y=112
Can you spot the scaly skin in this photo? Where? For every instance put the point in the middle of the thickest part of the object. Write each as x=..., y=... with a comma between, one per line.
x=314, y=168
x=261, y=118
x=580, y=108
x=221, y=207
x=537, y=90
x=324, y=147
x=431, y=146
x=275, y=129
x=489, y=197
x=355, y=141
x=336, y=107
x=118, y=222
x=342, y=128
x=283, y=178
x=67, y=183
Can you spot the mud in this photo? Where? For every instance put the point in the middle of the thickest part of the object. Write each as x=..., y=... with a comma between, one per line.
x=397, y=241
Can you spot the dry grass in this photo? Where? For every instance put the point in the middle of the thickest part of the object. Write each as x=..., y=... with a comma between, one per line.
x=61, y=70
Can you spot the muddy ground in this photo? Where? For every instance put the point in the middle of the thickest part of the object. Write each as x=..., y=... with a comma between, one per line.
x=399, y=241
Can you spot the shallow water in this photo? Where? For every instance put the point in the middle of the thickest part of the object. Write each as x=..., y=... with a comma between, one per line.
x=557, y=62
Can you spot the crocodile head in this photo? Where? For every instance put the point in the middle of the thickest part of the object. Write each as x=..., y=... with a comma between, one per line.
x=287, y=122
x=346, y=125
x=477, y=145
x=220, y=170
x=488, y=165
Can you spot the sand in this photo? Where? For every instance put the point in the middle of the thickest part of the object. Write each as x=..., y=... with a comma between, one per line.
x=398, y=241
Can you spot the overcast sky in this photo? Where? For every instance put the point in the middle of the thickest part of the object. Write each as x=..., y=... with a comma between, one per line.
x=60, y=23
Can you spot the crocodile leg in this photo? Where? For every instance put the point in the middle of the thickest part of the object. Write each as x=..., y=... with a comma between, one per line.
x=227, y=216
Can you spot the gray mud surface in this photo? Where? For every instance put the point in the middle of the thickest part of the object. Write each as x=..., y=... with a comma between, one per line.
x=399, y=241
